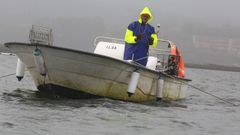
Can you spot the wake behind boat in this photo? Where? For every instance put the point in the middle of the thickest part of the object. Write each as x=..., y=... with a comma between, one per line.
x=104, y=73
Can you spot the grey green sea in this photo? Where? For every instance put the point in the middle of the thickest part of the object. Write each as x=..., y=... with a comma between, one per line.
x=23, y=112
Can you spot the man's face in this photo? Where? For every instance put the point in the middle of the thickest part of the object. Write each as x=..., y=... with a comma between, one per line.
x=145, y=18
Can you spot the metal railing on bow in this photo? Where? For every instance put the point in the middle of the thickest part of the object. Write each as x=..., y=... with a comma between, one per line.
x=41, y=35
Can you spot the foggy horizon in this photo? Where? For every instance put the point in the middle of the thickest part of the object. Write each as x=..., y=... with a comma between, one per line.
x=75, y=24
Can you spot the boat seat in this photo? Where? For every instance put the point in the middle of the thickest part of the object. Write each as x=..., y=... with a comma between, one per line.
x=111, y=49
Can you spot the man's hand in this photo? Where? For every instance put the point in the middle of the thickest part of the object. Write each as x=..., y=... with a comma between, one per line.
x=150, y=41
x=139, y=37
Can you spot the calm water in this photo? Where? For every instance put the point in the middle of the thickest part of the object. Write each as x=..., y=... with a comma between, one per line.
x=23, y=113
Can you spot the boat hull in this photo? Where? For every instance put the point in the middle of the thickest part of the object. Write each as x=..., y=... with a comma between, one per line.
x=92, y=75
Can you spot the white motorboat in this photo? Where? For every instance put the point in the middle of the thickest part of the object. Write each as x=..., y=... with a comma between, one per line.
x=79, y=74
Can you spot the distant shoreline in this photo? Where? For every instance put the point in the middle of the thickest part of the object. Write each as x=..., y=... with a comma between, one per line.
x=213, y=67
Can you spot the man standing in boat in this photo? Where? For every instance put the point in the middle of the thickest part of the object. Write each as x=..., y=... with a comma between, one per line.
x=139, y=36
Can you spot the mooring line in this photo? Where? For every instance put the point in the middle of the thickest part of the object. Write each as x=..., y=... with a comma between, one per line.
x=7, y=75
x=7, y=54
x=14, y=73
x=196, y=88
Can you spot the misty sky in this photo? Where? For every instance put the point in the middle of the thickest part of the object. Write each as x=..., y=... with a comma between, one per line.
x=23, y=13
x=208, y=11
x=76, y=23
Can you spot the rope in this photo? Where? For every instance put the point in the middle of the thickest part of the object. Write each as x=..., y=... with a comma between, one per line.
x=196, y=88
x=13, y=73
x=8, y=54
x=8, y=75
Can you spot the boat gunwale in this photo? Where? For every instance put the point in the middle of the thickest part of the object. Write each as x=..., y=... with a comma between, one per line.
x=96, y=55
